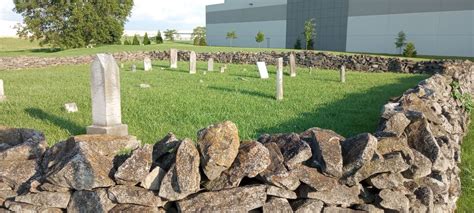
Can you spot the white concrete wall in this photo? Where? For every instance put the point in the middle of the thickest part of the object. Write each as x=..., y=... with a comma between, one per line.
x=449, y=33
x=246, y=32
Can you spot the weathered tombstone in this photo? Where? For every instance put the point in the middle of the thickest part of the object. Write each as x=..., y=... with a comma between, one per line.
x=279, y=80
x=134, y=68
x=105, y=93
x=262, y=69
x=210, y=65
x=310, y=70
x=292, y=65
x=71, y=107
x=2, y=92
x=147, y=64
x=122, y=66
x=173, y=58
x=145, y=86
x=192, y=62
x=222, y=69
x=343, y=74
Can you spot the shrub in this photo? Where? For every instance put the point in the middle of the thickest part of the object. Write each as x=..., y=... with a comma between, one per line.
x=146, y=40
x=202, y=41
x=410, y=50
x=298, y=44
x=158, y=38
x=135, y=40
x=310, y=45
x=126, y=42
x=259, y=38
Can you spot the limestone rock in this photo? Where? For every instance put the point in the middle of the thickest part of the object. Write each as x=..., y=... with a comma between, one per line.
x=335, y=209
x=52, y=188
x=46, y=199
x=228, y=200
x=357, y=151
x=275, y=204
x=279, y=192
x=396, y=124
x=21, y=144
x=307, y=206
x=326, y=149
x=183, y=178
x=134, y=195
x=426, y=197
x=394, y=200
x=168, y=144
x=18, y=172
x=313, y=178
x=218, y=145
x=120, y=208
x=368, y=208
x=421, y=139
x=135, y=168
x=388, y=145
x=24, y=207
x=153, y=180
x=387, y=180
x=276, y=173
x=90, y=201
x=293, y=149
x=252, y=159
x=420, y=166
x=338, y=195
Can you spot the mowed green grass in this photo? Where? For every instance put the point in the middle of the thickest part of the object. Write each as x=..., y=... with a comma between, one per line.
x=466, y=202
x=182, y=103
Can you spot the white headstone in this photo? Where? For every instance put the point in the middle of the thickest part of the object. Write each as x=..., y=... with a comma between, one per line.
x=192, y=63
x=2, y=92
x=134, y=68
x=210, y=65
x=343, y=74
x=279, y=80
x=121, y=66
x=173, y=58
x=292, y=65
x=222, y=69
x=71, y=107
x=147, y=64
x=145, y=86
x=262, y=69
x=105, y=93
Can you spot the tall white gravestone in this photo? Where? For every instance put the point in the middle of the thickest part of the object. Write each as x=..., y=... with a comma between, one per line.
x=343, y=74
x=262, y=70
x=192, y=63
x=173, y=58
x=292, y=65
x=147, y=64
x=210, y=65
x=279, y=80
x=2, y=92
x=105, y=93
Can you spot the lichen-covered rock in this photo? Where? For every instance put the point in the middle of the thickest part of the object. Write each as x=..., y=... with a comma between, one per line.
x=307, y=206
x=421, y=139
x=335, y=209
x=228, y=200
x=166, y=145
x=135, y=169
x=90, y=201
x=337, y=195
x=279, y=192
x=183, y=178
x=326, y=149
x=293, y=149
x=25, y=207
x=368, y=208
x=395, y=125
x=357, y=151
x=218, y=145
x=120, y=208
x=46, y=199
x=388, y=145
x=420, y=166
x=153, y=180
x=134, y=195
x=19, y=172
x=387, y=180
x=252, y=159
x=276, y=204
x=394, y=200
x=21, y=144
x=425, y=196
x=312, y=177
x=276, y=173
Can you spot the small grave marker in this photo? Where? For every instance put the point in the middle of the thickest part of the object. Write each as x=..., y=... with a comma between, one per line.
x=147, y=64
x=210, y=65
x=122, y=66
x=279, y=80
x=2, y=92
x=292, y=65
x=71, y=107
x=134, y=68
x=262, y=69
x=343, y=74
x=145, y=86
x=173, y=58
x=222, y=69
x=192, y=63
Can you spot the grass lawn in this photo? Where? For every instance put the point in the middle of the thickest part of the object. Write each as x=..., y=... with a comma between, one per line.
x=466, y=202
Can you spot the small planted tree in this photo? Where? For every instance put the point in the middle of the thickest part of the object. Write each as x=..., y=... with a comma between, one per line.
x=169, y=34
x=126, y=42
x=298, y=44
x=260, y=38
x=231, y=36
x=202, y=42
x=199, y=33
x=309, y=32
x=146, y=40
x=410, y=50
x=135, y=40
x=158, y=38
x=400, y=41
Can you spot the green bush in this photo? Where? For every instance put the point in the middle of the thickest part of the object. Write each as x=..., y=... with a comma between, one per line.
x=202, y=41
x=410, y=50
x=158, y=38
x=298, y=44
x=126, y=42
x=146, y=40
x=135, y=40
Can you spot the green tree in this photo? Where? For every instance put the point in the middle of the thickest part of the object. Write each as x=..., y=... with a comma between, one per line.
x=198, y=34
x=169, y=34
x=231, y=36
x=309, y=32
x=126, y=42
x=298, y=44
x=73, y=24
x=259, y=38
x=135, y=40
x=401, y=41
x=158, y=38
x=146, y=40
x=202, y=42
x=410, y=50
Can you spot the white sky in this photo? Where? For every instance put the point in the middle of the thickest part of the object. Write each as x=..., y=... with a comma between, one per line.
x=147, y=15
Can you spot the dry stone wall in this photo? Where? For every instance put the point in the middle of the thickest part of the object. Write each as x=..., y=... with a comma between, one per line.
x=364, y=63
x=409, y=164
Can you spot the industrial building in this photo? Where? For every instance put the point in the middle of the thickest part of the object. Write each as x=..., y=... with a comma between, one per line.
x=436, y=27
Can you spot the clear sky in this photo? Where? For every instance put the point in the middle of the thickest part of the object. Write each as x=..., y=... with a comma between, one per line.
x=147, y=15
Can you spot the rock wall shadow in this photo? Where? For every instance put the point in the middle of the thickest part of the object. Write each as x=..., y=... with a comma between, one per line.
x=242, y=91
x=71, y=127
x=356, y=113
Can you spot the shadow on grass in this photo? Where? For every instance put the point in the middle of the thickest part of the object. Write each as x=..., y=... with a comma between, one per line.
x=71, y=127
x=245, y=76
x=354, y=114
x=242, y=91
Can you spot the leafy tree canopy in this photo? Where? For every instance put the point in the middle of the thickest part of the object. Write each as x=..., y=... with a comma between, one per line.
x=169, y=34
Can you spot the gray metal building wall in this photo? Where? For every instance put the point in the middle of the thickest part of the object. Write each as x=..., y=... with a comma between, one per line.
x=331, y=22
